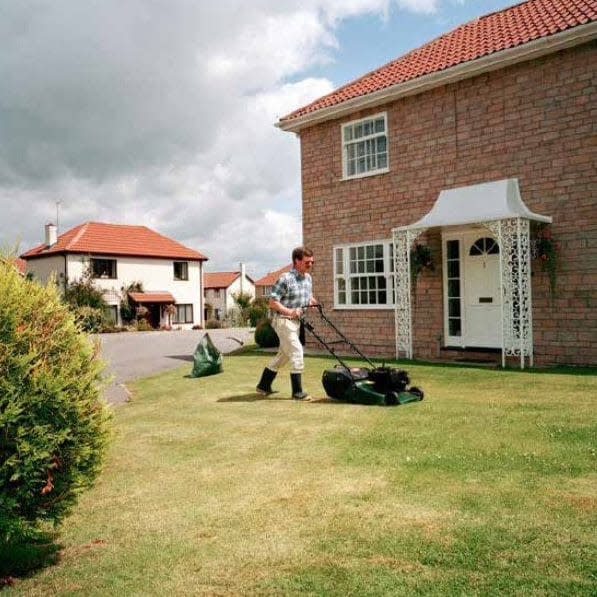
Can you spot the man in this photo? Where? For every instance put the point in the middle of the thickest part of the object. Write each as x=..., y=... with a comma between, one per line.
x=291, y=293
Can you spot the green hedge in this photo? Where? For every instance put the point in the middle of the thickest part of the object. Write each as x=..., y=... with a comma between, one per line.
x=265, y=335
x=54, y=427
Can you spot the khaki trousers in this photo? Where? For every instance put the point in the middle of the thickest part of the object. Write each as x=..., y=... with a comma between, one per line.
x=291, y=349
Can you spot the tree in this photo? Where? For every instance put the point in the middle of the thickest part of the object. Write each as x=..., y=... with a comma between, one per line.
x=54, y=427
x=127, y=310
x=243, y=301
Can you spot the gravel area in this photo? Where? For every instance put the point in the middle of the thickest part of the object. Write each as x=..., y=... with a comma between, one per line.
x=133, y=355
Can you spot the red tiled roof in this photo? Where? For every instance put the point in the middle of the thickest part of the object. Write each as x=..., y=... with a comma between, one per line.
x=116, y=239
x=492, y=33
x=152, y=297
x=219, y=279
x=271, y=278
x=21, y=265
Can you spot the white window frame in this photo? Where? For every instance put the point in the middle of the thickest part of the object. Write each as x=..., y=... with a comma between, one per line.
x=388, y=274
x=349, y=142
x=185, y=308
x=184, y=266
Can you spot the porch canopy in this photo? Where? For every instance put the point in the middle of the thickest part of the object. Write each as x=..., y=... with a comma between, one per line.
x=475, y=204
x=499, y=207
x=152, y=297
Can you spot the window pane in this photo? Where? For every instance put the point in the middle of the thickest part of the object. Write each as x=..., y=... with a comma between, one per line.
x=453, y=269
x=380, y=125
x=453, y=288
x=454, y=307
x=454, y=328
x=453, y=252
x=339, y=261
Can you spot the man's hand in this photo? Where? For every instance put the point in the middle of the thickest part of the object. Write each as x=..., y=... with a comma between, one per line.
x=297, y=313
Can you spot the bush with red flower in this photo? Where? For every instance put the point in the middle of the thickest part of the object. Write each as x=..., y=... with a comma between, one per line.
x=547, y=253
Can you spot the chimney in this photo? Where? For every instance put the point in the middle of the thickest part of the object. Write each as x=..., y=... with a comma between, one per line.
x=242, y=276
x=51, y=234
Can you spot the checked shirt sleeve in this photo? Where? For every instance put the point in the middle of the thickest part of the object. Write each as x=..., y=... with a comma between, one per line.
x=280, y=289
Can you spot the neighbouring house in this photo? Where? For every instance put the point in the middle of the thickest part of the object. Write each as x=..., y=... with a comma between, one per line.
x=450, y=196
x=264, y=286
x=19, y=264
x=116, y=256
x=220, y=290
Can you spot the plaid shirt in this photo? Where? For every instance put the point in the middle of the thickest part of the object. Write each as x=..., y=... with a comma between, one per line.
x=293, y=289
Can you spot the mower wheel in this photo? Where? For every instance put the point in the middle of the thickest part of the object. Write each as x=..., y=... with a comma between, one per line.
x=417, y=392
x=391, y=399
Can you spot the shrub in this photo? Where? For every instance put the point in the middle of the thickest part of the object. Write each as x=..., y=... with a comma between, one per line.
x=143, y=325
x=127, y=309
x=83, y=293
x=265, y=335
x=53, y=424
x=89, y=319
x=258, y=311
x=213, y=324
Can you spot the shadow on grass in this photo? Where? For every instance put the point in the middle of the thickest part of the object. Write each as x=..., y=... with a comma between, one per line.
x=255, y=397
x=24, y=557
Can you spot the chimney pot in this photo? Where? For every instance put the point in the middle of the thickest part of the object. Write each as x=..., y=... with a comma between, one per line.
x=51, y=234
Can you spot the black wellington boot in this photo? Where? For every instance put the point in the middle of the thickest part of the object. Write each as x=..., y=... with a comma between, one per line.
x=297, y=387
x=265, y=383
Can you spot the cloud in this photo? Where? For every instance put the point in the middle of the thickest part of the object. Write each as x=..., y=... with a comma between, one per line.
x=161, y=113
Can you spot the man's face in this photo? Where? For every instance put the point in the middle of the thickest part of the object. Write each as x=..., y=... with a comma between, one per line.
x=304, y=265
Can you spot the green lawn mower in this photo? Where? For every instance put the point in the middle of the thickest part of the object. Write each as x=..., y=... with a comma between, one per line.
x=384, y=386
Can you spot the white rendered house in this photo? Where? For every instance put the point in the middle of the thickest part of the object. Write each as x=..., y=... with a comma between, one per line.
x=222, y=287
x=118, y=255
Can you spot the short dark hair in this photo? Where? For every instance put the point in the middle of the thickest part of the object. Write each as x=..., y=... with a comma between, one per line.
x=300, y=253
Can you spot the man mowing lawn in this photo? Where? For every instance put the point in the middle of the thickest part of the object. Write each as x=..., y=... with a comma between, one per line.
x=292, y=292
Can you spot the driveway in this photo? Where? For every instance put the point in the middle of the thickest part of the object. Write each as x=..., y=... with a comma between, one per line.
x=133, y=355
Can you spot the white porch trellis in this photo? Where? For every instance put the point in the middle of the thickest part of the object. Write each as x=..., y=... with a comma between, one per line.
x=501, y=198
x=513, y=237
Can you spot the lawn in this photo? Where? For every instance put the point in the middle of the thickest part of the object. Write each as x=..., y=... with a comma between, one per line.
x=487, y=487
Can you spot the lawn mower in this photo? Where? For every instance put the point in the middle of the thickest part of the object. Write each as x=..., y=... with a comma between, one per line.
x=362, y=385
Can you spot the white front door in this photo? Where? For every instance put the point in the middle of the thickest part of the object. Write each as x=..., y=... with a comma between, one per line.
x=472, y=290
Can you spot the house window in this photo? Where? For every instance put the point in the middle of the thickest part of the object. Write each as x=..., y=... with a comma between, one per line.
x=454, y=288
x=365, y=147
x=103, y=268
x=111, y=314
x=363, y=276
x=184, y=314
x=181, y=270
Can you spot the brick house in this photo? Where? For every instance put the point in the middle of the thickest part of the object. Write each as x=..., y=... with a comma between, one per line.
x=265, y=285
x=118, y=255
x=477, y=151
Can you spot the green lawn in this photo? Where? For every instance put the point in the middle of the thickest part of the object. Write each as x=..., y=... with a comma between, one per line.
x=487, y=487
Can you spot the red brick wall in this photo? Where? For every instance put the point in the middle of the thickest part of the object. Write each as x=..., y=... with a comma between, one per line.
x=534, y=121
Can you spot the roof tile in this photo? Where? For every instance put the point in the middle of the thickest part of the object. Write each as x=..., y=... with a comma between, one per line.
x=511, y=27
x=116, y=239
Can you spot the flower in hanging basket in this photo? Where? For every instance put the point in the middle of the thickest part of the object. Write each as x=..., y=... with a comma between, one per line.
x=421, y=259
x=547, y=253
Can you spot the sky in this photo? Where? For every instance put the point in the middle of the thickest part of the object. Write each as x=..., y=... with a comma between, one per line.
x=161, y=112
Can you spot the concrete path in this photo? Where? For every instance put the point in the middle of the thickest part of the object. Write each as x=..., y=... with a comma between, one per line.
x=133, y=355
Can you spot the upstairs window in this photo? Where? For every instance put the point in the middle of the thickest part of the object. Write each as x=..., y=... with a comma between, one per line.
x=365, y=147
x=181, y=270
x=103, y=268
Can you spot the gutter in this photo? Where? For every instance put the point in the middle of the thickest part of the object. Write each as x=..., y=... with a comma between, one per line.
x=529, y=51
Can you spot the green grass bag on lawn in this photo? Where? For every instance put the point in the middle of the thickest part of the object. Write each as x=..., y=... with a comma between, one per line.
x=207, y=359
